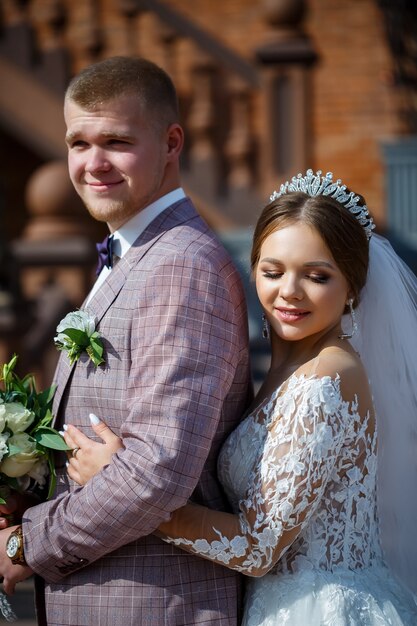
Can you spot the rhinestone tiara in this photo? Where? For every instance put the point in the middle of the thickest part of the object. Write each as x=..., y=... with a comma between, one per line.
x=318, y=185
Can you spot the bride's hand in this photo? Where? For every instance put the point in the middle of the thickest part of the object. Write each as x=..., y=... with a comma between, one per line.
x=88, y=457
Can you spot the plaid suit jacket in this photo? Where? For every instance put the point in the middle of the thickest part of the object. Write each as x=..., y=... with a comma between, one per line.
x=175, y=382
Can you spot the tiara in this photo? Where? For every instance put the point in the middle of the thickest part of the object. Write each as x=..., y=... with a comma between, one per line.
x=318, y=185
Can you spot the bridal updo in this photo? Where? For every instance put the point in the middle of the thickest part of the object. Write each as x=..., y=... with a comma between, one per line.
x=340, y=230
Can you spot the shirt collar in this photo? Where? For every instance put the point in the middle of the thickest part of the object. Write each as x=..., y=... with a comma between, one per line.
x=126, y=235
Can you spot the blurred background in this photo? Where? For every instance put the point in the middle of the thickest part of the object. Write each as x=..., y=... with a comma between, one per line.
x=267, y=88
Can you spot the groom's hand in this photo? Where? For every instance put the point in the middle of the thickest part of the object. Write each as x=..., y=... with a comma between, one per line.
x=12, y=574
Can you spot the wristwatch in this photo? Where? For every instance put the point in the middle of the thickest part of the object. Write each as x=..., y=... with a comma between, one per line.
x=14, y=547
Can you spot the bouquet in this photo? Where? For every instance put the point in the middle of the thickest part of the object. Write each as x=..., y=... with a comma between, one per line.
x=27, y=441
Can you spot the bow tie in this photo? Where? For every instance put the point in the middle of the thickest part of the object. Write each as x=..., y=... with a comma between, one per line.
x=105, y=253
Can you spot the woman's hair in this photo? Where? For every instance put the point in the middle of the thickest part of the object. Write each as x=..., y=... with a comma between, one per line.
x=340, y=230
x=118, y=76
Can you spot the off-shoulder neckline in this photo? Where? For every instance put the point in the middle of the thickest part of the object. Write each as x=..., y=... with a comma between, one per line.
x=293, y=379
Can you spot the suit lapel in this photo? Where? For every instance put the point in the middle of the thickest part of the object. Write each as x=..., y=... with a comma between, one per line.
x=176, y=214
x=62, y=376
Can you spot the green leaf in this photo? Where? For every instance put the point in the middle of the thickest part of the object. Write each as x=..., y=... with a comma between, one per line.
x=75, y=352
x=52, y=477
x=45, y=397
x=28, y=383
x=97, y=345
x=94, y=356
x=50, y=438
x=7, y=371
x=79, y=337
x=45, y=421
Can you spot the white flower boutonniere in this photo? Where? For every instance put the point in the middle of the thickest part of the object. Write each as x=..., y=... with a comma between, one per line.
x=76, y=333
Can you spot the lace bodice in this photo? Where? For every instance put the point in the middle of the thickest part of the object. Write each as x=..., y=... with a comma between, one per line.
x=300, y=472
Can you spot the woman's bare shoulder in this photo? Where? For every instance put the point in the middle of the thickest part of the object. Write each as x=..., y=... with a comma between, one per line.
x=340, y=362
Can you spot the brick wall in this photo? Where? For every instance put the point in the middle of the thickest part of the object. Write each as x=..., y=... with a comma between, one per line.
x=353, y=103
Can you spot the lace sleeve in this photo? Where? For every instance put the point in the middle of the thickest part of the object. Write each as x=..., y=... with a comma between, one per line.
x=305, y=430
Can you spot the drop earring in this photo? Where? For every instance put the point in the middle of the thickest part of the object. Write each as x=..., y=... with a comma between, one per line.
x=265, y=327
x=353, y=320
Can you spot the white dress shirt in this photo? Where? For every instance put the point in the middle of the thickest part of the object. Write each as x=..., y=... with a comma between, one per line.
x=126, y=235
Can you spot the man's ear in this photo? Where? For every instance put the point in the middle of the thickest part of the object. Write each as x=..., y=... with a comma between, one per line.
x=175, y=141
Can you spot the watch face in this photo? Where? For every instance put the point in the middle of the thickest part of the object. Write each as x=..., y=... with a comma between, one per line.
x=12, y=546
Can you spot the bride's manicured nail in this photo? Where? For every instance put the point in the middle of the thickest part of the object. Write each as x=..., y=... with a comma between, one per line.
x=62, y=433
x=65, y=427
x=94, y=419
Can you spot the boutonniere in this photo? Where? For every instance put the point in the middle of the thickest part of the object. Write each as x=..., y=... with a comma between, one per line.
x=76, y=334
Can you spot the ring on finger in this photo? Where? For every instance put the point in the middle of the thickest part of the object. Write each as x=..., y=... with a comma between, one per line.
x=74, y=451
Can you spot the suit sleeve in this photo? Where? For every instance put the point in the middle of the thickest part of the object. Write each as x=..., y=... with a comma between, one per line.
x=184, y=353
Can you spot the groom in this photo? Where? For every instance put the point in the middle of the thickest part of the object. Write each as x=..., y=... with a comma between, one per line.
x=175, y=380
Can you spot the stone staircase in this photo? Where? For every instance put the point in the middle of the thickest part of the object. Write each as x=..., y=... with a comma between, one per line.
x=245, y=119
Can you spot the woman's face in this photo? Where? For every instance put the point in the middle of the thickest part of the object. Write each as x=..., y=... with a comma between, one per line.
x=299, y=285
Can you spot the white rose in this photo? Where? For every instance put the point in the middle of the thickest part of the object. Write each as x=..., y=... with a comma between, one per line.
x=22, y=462
x=18, y=417
x=3, y=445
x=80, y=320
x=2, y=416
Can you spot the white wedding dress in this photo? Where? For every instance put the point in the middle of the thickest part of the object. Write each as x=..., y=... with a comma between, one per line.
x=301, y=473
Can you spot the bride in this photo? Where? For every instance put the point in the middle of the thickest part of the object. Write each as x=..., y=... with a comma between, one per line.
x=301, y=469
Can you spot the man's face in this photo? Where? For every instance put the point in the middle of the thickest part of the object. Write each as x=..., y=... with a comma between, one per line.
x=116, y=159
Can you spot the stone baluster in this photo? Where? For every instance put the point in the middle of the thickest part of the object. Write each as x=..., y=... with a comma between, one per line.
x=13, y=11
x=239, y=150
x=285, y=59
x=201, y=125
x=55, y=211
x=57, y=235
x=49, y=19
x=131, y=14
x=202, y=115
x=84, y=33
x=16, y=41
x=239, y=144
x=54, y=262
x=167, y=39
